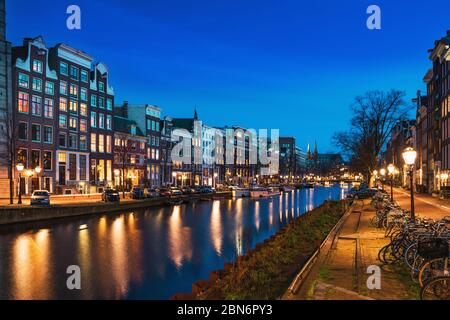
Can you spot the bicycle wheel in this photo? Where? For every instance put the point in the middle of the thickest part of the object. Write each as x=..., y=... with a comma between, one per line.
x=430, y=270
x=410, y=255
x=436, y=289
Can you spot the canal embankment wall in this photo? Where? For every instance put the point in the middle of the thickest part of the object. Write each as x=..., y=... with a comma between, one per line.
x=22, y=214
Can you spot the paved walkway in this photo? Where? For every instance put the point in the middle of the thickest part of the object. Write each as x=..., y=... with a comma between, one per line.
x=425, y=205
x=340, y=271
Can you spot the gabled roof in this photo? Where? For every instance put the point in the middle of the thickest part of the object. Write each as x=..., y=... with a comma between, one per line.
x=124, y=125
x=183, y=123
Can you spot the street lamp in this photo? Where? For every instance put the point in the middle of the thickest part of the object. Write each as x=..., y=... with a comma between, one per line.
x=382, y=173
x=409, y=155
x=116, y=174
x=391, y=170
x=375, y=174
x=174, y=175
x=20, y=168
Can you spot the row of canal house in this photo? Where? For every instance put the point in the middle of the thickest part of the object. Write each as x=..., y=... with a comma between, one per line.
x=429, y=132
x=67, y=124
x=63, y=117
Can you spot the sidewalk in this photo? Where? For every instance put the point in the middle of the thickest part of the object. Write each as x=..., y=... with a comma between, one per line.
x=340, y=272
x=425, y=205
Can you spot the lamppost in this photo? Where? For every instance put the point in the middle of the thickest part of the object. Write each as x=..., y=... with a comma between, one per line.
x=116, y=175
x=383, y=173
x=20, y=168
x=215, y=178
x=174, y=175
x=375, y=174
x=391, y=170
x=409, y=155
x=38, y=171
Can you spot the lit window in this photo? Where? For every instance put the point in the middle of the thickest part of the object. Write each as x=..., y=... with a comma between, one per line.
x=48, y=108
x=62, y=104
x=37, y=66
x=83, y=125
x=73, y=124
x=101, y=143
x=108, y=144
x=83, y=109
x=23, y=102
x=93, y=142
x=73, y=107
x=36, y=105
x=73, y=90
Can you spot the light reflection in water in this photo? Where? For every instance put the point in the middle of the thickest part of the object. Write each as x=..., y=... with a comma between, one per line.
x=119, y=261
x=31, y=269
x=150, y=254
x=257, y=218
x=180, y=247
x=216, y=227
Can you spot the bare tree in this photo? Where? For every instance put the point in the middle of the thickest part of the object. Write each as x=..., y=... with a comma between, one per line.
x=374, y=115
x=8, y=135
x=122, y=154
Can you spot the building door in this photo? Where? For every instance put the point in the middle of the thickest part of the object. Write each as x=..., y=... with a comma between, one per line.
x=22, y=185
x=34, y=184
x=47, y=184
x=62, y=175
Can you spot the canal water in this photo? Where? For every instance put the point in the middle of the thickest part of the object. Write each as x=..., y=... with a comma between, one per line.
x=148, y=254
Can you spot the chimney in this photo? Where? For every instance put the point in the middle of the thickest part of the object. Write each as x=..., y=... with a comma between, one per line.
x=125, y=109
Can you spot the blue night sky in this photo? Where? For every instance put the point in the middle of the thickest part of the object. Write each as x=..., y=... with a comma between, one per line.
x=255, y=63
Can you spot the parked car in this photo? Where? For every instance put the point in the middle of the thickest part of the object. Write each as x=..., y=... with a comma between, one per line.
x=151, y=193
x=206, y=189
x=137, y=193
x=40, y=197
x=176, y=192
x=110, y=195
x=165, y=192
x=187, y=190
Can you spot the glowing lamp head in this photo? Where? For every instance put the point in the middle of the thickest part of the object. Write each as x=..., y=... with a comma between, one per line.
x=383, y=172
x=391, y=169
x=116, y=172
x=20, y=167
x=409, y=155
x=38, y=169
x=375, y=172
